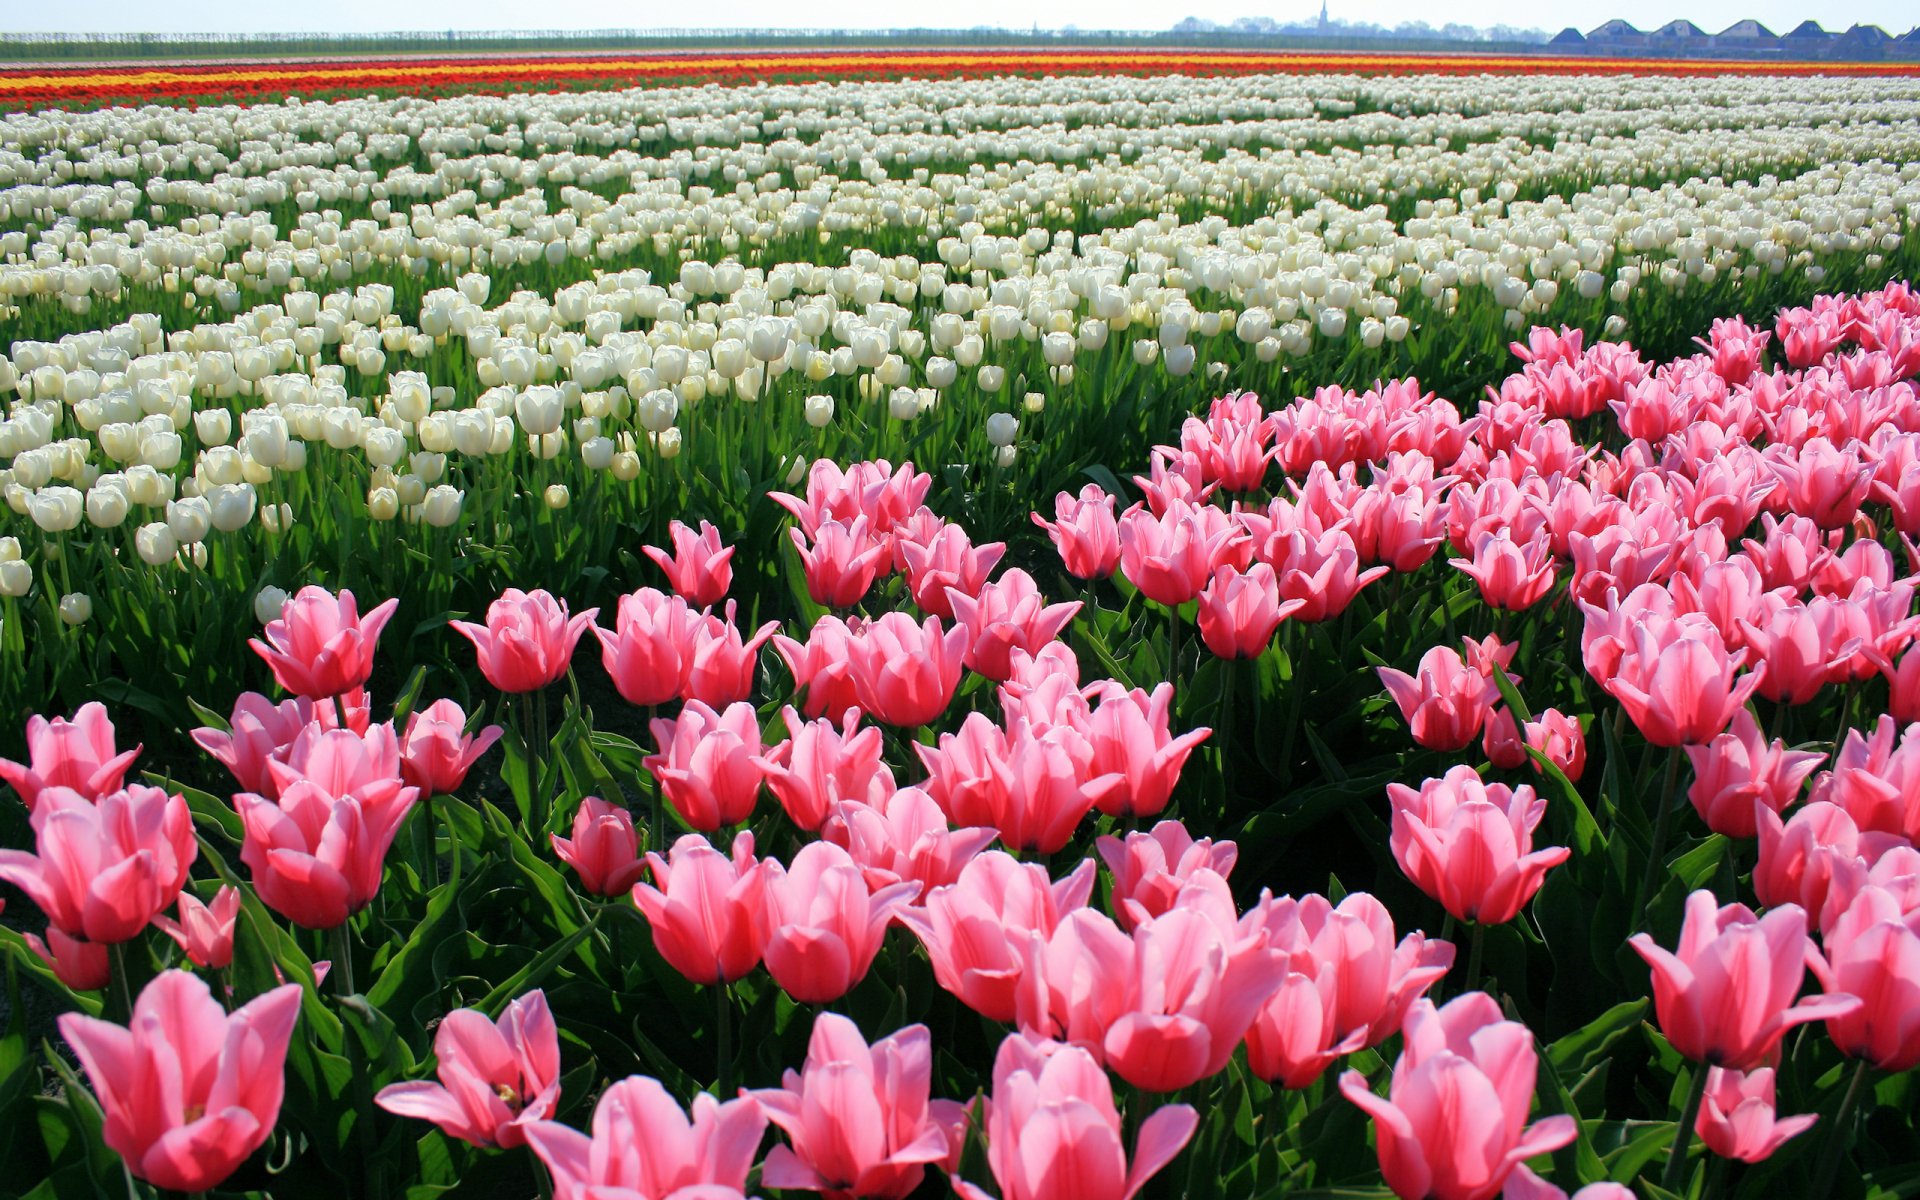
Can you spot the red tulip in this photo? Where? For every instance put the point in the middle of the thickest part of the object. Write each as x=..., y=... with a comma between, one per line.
x=645, y=1145
x=604, y=849
x=819, y=765
x=1740, y=767
x=496, y=1078
x=824, y=926
x=905, y=674
x=1737, y=1118
x=708, y=912
x=437, y=752
x=976, y=929
x=647, y=653
x=528, y=640
x=1469, y=845
x=708, y=767
x=1085, y=532
x=1445, y=704
x=205, y=932
x=77, y=754
x=699, y=568
x=1008, y=614
x=1150, y=868
x=188, y=1091
x=104, y=870
x=1725, y=996
x=1054, y=1134
x=1873, y=949
x=1454, y=1123
x=858, y=1116
x=320, y=645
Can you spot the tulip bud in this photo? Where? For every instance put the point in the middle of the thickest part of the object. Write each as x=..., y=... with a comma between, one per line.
x=16, y=578
x=76, y=608
x=383, y=504
x=819, y=411
x=557, y=496
x=213, y=426
x=268, y=604
x=156, y=543
x=107, y=506
x=1002, y=428
x=991, y=379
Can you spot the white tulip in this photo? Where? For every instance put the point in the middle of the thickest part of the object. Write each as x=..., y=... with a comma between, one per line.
x=76, y=608
x=16, y=578
x=1002, y=429
x=441, y=508
x=190, y=519
x=107, y=507
x=269, y=604
x=213, y=426
x=819, y=411
x=383, y=503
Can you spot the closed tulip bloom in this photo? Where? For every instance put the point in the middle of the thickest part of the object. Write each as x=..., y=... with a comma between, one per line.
x=904, y=838
x=708, y=765
x=1737, y=1116
x=976, y=930
x=188, y=1092
x=1239, y=611
x=819, y=765
x=700, y=568
x=1558, y=737
x=528, y=640
x=1682, y=692
x=1817, y=853
x=824, y=926
x=1453, y=1125
x=1007, y=615
x=604, y=849
x=1170, y=557
x=1873, y=952
x=1053, y=1132
x=78, y=755
x=104, y=870
x=721, y=663
x=1725, y=994
x=1085, y=532
x=823, y=666
x=205, y=931
x=645, y=1145
x=1469, y=845
x=947, y=559
x=1793, y=655
x=1348, y=986
x=342, y=762
x=1047, y=785
x=840, y=560
x=437, y=752
x=496, y=1078
x=646, y=655
x=858, y=1116
x=1131, y=738
x=320, y=645
x=82, y=965
x=905, y=674
x=708, y=911
x=1512, y=575
x=1445, y=703
x=1150, y=868
x=1740, y=767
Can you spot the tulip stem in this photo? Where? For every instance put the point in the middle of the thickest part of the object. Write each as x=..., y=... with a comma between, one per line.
x=1476, y=944
x=1841, y=1140
x=123, y=990
x=343, y=960
x=1661, y=821
x=723, y=1025
x=1683, y=1134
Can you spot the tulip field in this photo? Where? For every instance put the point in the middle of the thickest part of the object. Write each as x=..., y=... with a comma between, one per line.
x=1053, y=636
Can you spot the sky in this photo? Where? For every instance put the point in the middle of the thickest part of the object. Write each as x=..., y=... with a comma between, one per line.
x=368, y=16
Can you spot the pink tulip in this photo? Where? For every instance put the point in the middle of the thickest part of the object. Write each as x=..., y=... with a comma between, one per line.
x=258, y=731
x=1445, y=704
x=1795, y=660
x=708, y=767
x=720, y=662
x=1558, y=737
x=1821, y=481
x=188, y=1091
x=496, y=1078
x=1008, y=614
x=904, y=838
x=1469, y=845
x=104, y=870
x=819, y=765
x=604, y=849
x=342, y=763
x=644, y=1145
x=858, y=1117
x=708, y=912
x=1876, y=779
x=205, y=932
x=1512, y=575
x=976, y=929
x=822, y=665
x=1053, y=1132
x=1501, y=740
x=77, y=754
x=1323, y=573
x=1454, y=1123
x=1814, y=859
x=437, y=752
x=1085, y=532
x=1682, y=691
x=946, y=560
x=841, y=560
x=1725, y=996
x=320, y=646
x=1348, y=986
x=1239, y=612
x=1150, y=868
x=647, y=653
x=824, y=926
x=1048, y=786
x=1874, y=952
x=1131, y=739
x=1170, y=557
x=700, y=569
x=1739, y=767
x=1737, y=1117
x=905, y=674
x=1523, y=1184
x=82, y=965
x=528, y=640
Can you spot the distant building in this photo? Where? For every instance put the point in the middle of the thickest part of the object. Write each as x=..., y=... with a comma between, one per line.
x=1746, y=33
x=1807, y=35
x=1679, y=31
x=1569, y=38
x=1617, y=35
x=1862, y=41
